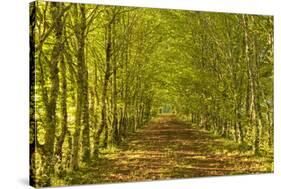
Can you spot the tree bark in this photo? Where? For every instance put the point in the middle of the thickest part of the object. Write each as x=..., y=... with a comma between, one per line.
x=54, y=90
x=64, y=115
x=104, y=90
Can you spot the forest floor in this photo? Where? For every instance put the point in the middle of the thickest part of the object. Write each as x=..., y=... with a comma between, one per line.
x=167, y=148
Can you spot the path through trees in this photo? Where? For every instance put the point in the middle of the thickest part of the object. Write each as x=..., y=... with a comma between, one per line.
x=170, y=148
x=101, y=74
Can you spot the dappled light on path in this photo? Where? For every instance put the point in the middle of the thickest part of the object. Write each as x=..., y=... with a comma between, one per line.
x=168, y=148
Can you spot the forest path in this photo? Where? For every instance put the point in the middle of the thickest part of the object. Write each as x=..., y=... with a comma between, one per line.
x=168, y=148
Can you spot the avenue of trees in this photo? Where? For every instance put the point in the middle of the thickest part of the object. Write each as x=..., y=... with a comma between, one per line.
x=99, y=73
x=227, y=86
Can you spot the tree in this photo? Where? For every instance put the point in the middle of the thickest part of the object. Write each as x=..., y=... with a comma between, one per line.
x=103, y=72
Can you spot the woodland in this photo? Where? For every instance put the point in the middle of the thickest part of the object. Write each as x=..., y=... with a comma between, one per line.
x=131, y=94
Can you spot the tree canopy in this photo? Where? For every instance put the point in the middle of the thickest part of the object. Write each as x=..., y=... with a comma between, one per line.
x=98, y=73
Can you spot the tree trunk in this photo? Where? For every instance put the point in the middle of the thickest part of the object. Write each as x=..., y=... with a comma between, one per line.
x=82, y=117
x=63, y=105
x=104, y=90
x=54, y=90
x=115, y=131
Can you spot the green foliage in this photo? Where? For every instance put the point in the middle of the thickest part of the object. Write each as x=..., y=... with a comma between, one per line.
x=103, y=72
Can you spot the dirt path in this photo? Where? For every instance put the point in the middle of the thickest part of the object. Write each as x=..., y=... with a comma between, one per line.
x=168, y=148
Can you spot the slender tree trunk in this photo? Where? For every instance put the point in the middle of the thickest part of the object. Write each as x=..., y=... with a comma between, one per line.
x=85, y=118
x=82, y=107
x=104, y=90
x=63, y=105
x=257, y=90
x=240, y=128
x=54, y=90
x=115, y=131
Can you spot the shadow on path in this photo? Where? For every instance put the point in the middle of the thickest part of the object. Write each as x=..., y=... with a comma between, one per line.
x=168, y=148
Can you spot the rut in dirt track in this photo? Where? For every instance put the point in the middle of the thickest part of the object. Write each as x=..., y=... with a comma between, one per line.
x=168, y=148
